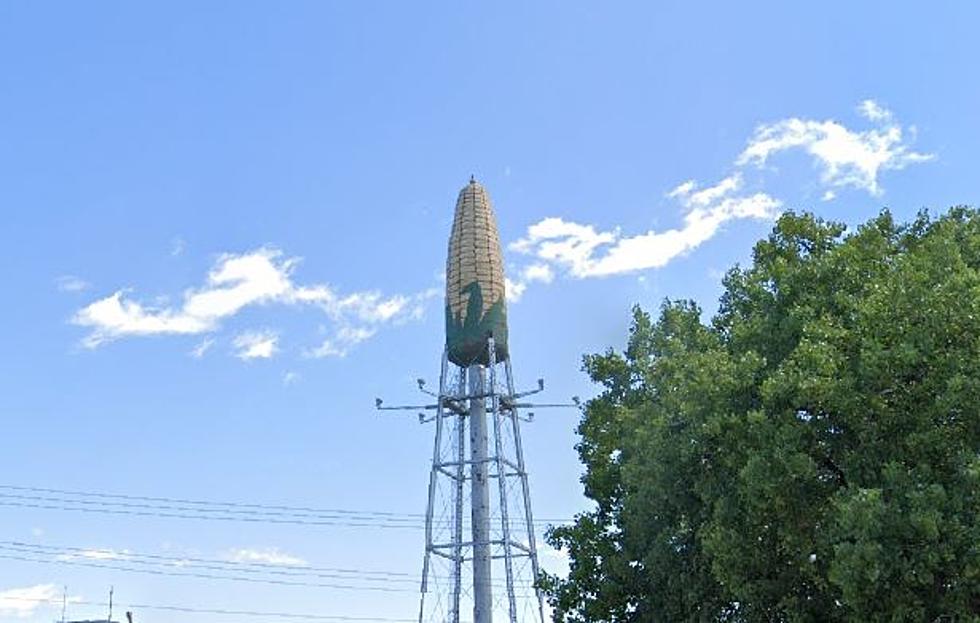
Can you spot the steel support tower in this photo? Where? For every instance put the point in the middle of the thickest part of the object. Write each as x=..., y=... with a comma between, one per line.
x=481, y=556
x=486, y=560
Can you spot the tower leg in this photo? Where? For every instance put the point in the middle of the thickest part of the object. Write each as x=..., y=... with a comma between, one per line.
x=433, y=476
x=501, y=481
x=525, y=493
x=480, y=497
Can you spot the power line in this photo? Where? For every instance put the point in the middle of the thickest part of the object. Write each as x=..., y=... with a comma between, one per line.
x=275, y=516
x=193, y=574
x=237, y=505
x=223, y=611
x=43, y=504
x=179, y=508
x=252, y=613
x=27, y=552
x=214, y=564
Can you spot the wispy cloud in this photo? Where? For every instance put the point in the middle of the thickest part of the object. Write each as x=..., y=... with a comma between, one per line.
x=540, y=272
x=24, y=602
x=71, y=283
x=342, y=341
x=202, y=348
x=96, y=554
x=256, y=344
x=845, y=158
x=237, y=281
x=359, y=316
x=268, y=555
x=582, y=251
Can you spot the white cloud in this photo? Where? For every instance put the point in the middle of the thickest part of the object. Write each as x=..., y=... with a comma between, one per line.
x=514, y=289
x=360, y=315
x=683, y=189
x=584, y=252
x=710, y=195
x=114, y=317
x=71, y=283
x=874, y=111
x=290, y=378
x=22, y=603
x=256, y=345
x=177, y=246
x=269, y=556
x=540, y=272
x=97, y=554
x=846, y=157
x=556, y=240
x=237, y=281
x=104, y=554
x=202, y=347
x=343, y=340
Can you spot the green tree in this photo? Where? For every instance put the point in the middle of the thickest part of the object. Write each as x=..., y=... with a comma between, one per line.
x=812, y=454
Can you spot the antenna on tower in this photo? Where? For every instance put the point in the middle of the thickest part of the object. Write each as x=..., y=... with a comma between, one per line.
x=111, y=591
x=64, y=603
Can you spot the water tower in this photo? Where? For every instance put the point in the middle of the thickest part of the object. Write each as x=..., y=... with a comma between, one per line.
x=480, y=549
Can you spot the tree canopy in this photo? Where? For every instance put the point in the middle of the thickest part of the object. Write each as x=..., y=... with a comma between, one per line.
x=810, y=454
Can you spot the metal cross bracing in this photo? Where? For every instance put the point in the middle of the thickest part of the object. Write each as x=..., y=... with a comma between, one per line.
x=480, y=549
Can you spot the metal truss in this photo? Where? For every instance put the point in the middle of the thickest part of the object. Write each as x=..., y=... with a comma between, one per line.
x=484, y=559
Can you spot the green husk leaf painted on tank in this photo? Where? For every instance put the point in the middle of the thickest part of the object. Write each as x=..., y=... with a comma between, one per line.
x=466, y=337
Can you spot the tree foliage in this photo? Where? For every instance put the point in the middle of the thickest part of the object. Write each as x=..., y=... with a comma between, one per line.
x=811, y=454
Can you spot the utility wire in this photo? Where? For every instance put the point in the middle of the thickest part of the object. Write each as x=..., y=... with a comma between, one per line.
x=66, y=505
x=172, y=562
x=252, y=613
x=181, y=560
x=292, y=510
x=76, y=501
x=61, y=505
x=259, y=515
x=211, y=564
x=210, y=576
x=223, y=611
x=69, y=556
x=193, y=574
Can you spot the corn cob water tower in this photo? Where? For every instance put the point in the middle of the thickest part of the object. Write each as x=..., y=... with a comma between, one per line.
x=480, y=550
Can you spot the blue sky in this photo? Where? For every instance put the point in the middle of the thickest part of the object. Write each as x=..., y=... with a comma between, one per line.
x=224, y=230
